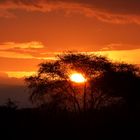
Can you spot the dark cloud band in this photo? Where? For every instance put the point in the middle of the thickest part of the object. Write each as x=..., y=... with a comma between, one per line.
x=116, y=11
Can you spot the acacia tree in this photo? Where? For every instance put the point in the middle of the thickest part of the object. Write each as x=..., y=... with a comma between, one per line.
x=104, y=86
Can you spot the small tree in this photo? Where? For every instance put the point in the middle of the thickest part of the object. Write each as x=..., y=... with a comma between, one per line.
x=11, y=105
x=104, y=85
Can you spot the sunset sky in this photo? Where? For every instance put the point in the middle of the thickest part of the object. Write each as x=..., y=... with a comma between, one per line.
x=32, y=31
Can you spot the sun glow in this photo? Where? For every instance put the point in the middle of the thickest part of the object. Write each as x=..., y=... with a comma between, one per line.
x=77, y=78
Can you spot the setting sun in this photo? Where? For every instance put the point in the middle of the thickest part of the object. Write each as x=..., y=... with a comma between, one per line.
x=77, y=78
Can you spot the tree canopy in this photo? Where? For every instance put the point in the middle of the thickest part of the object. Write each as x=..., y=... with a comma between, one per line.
x=107, y=82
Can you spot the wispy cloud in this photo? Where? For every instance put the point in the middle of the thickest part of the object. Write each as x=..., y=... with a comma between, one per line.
x=26, y=50
x=119, y=46
x=25, y=45
x=21, y=50
x=114, y=11
x=129, y=56
x=37, y=50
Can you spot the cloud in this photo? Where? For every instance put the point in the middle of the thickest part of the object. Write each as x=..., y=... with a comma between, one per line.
x=114, y=11
x=26, y=50
x=21, y=50
x=6, y=14
x=129, y=56
x=37, y=50
x=119, y=46
x=25, y=45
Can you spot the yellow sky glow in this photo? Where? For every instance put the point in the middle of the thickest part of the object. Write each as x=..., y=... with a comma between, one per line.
x=19, y=74
x=128, y=56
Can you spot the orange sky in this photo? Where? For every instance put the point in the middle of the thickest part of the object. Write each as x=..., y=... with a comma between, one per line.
x=34, y=30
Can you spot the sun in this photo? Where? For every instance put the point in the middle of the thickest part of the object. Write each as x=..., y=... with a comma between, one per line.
x=77, y=78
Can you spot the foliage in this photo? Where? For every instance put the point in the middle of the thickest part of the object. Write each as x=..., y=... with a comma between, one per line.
x=107, y=83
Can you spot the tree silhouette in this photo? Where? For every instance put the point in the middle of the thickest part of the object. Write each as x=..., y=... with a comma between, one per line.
x=9, y=105
x=107, y=83
x=123, y=81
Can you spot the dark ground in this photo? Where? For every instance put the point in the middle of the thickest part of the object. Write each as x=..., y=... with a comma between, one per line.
x=41, y=124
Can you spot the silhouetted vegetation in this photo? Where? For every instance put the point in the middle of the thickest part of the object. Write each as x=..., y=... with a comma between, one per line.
x=108, y=83
x=107, y=105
